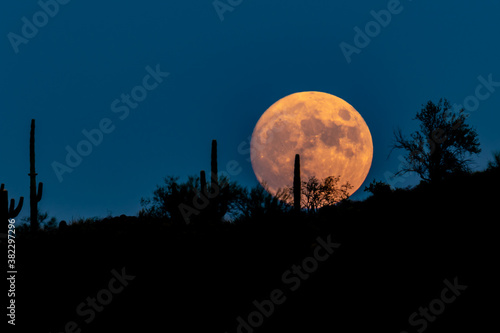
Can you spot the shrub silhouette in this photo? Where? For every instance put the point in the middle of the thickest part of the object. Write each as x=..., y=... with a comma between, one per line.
x=257, y=205
x=317, y=193
x=181, y=202
x=194, y=200
x=495, y=163
x=41, y=220
x=378, y=188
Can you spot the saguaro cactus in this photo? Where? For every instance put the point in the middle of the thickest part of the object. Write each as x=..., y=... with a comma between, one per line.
x=215, y=211
x=296, y=184
x=203, y=183
x=8, y=212
x=35, y=196
x=214, y=172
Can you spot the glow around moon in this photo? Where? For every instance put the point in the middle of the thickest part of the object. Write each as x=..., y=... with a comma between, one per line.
x=329, y=134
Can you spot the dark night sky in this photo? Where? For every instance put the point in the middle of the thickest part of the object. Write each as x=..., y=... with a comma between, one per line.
x=223, y=76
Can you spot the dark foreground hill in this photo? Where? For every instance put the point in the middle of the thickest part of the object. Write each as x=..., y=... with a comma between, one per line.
x=359, y=266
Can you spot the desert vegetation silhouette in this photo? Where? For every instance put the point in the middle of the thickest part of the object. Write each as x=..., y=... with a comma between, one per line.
x=209, y=252
x=442, y=146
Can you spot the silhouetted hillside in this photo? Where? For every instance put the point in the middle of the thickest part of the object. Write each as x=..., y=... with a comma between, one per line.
x=396, y=249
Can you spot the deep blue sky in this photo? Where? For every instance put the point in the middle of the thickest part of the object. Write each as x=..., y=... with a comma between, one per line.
x=223, y=76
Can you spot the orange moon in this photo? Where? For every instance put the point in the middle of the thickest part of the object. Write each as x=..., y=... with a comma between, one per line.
x=329, y=134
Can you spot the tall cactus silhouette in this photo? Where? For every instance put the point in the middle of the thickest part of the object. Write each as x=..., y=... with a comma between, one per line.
x=214, y=172
x=215, y=210
x=35, y=196
x=203, y=183
x=296, y=184
x=8, y=212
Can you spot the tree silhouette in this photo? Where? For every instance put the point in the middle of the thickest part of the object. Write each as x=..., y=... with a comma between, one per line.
x=442, y=146
x=316, y=193
x=258, y=204
x=378, y=188
x=185, y=202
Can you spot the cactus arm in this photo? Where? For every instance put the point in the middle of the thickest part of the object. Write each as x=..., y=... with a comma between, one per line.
x=40, y=191
x=13, y=212
x=4, y=205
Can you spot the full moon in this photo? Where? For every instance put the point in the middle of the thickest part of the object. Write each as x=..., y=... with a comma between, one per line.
x=329, y=134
